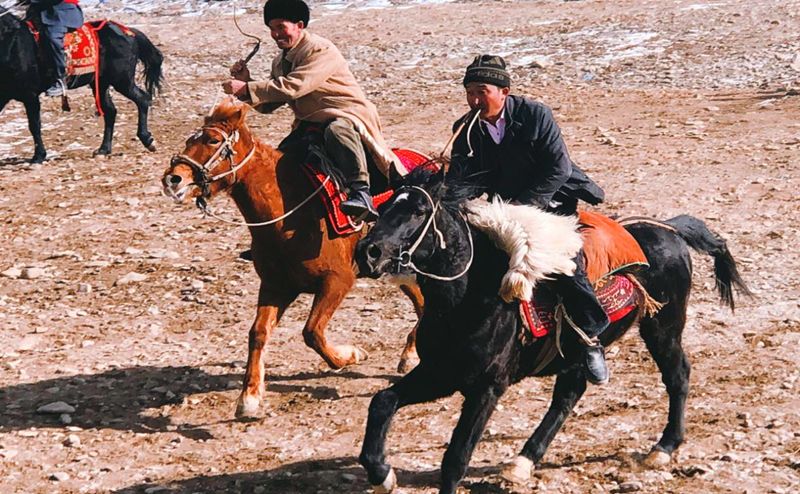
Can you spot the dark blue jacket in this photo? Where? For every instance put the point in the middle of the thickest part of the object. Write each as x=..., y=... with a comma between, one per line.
x=531, y=163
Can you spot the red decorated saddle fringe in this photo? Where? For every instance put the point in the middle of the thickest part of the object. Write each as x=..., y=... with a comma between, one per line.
x=332, y=196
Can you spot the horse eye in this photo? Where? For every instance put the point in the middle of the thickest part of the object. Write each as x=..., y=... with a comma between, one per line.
x=213, y=141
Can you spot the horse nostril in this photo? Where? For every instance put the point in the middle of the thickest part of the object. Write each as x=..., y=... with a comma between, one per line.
x=373, y=252
x=174, y=179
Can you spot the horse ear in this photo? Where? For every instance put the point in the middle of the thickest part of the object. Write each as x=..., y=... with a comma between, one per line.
x=237, y=118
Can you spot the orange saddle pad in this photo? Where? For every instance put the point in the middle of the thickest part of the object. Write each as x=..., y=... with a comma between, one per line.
x=608, y=246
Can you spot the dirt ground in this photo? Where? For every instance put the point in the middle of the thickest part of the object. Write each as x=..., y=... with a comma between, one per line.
x=674, y=107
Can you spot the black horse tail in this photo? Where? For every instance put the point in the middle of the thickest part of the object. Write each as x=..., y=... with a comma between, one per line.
x=700, y=238
x=152, y=59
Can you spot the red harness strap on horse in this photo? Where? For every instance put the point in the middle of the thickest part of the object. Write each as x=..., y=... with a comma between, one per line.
x=332, y=197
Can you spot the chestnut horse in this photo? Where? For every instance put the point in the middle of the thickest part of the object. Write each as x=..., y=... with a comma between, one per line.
x=294, y=253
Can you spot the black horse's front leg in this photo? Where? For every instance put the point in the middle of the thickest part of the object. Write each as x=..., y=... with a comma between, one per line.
x=418, y=386
x=34, y=111
x=569, y=388
x=478, y=407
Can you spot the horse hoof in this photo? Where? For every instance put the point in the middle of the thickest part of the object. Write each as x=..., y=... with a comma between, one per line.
x=101, y=152
x=518, y=471
x=151, y=147
x=37, y=160
x=359, y=355
x=388, y=485
x=657, y=459
x=247, y=407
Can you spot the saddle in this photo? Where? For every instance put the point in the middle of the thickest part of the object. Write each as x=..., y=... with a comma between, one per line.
x=611, y=254
x=332, y=196
x=82, y=50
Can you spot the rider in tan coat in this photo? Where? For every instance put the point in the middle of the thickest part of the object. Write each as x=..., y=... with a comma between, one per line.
x=313, y=78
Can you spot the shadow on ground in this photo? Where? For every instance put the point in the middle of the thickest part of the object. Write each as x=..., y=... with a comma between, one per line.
x=335, y=475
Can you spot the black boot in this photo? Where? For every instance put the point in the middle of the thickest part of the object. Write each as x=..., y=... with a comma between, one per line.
x=359, y=204
x=594, y=363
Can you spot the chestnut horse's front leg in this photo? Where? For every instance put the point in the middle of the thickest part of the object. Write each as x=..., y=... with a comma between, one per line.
x=418, y=386
x=409, y=358
x=270, y=309
x=331, y=293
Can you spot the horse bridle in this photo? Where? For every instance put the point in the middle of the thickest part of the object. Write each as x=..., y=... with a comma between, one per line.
x=404, y=257
x=202, y=172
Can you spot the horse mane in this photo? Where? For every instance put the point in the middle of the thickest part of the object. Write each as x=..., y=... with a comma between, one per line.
x=454, y=192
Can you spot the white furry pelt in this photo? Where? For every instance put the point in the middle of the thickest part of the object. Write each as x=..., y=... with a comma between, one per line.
x=538, y=244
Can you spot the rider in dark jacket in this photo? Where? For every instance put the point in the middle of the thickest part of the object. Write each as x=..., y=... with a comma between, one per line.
x=514, y=150
x=58, y=17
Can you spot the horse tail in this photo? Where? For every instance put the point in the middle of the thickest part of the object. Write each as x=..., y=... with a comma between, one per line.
x=152, y=59
x=726, y=275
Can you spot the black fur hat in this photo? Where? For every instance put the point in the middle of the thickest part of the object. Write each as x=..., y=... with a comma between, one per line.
x=488, y=69
x=291, y=10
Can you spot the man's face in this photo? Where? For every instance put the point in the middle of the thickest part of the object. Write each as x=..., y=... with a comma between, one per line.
x=487, y=98
x=285, y=32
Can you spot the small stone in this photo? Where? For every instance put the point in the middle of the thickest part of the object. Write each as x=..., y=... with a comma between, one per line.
x=259, y=489
x=154, y=489
x=72, y=441
x=12, y=273
x=84, y=288
x=132, y=251
x=57, y=407
x=60, y=476
x=132, y=277
x=31, y=273
x=65, y=418
x=197, y=285
x=629, y=487
x=349, y=477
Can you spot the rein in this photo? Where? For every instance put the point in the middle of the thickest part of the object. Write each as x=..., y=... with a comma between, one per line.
x=225, y=151
x=404, y=258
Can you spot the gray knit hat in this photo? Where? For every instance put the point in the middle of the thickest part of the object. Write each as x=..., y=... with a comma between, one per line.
x=488, y=69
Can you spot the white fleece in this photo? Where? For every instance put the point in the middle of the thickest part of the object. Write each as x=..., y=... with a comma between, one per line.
x=538, y=244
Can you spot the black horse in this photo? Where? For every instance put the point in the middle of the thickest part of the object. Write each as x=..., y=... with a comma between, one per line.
x=468, y=338
x=24, y=74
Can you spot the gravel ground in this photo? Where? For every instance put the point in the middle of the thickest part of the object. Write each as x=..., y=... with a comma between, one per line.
x=674, y=107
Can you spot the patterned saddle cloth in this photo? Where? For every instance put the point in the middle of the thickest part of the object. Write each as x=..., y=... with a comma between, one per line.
x=618, y=294
x=332, y=196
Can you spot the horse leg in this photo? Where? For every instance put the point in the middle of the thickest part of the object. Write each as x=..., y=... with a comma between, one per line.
x=418, y=386
x=409, y=358
x=662, y=336
x=270, y=309
x=332, y=291
x=109, y=118
x=142, y=101
x=567, y=391
x=34, y=111
x=478, y=407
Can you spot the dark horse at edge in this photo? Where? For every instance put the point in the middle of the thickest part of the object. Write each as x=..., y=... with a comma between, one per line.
x=468, y=338
x=24, y=74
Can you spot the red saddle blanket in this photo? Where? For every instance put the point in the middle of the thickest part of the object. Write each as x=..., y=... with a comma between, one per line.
x=82, y=49
x=332, y=196
x=617, y=294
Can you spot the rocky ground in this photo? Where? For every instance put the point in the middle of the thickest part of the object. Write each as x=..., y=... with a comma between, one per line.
x=134, y=312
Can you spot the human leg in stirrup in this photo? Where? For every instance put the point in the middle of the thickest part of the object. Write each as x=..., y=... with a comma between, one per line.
x=584, y=311
x=343, y=145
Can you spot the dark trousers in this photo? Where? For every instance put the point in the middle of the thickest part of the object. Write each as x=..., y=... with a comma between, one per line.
x=580, y=302
x=55, y=48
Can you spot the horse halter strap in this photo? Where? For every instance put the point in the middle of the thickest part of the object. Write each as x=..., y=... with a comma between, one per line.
x=404, y=258
x=225, y=151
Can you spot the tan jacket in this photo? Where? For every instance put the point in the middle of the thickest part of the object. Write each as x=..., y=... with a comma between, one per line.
x=319, y=87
